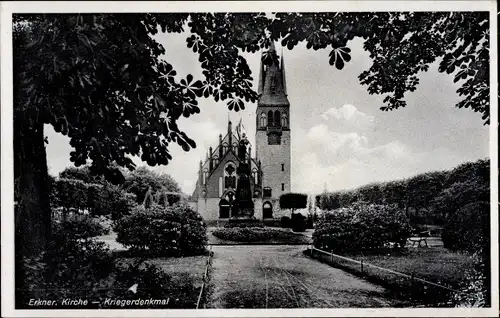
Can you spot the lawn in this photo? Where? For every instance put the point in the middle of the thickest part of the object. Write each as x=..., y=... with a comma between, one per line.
x=278, y=276
x=435, y=264
x=186, y=274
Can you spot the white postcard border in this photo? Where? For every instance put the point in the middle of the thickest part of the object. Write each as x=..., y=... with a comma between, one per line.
x=7, y=216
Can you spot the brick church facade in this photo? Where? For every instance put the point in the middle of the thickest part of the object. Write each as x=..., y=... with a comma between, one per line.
x=270, y=168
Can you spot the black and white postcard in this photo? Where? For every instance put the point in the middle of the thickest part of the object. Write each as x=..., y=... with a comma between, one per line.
x=203, y=158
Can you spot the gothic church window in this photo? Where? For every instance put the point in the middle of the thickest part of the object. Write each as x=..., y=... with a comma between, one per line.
x=263, y=120
x=282, y=187
x=282, y=167
x=229, y=176
x=205, y=175
x=221, y=190
x=270, y=118
x=284, y=120
x=255, y=176
x=267, y=192
x=277, y=116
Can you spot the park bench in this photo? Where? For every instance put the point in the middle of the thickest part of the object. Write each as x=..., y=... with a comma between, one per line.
x=419, y=238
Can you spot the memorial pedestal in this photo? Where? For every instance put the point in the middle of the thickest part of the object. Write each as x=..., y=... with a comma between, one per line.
x=243, y=207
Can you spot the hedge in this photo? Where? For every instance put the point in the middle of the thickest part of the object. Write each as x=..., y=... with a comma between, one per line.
x=258, y=235
x=468, y=229
x=362, y=227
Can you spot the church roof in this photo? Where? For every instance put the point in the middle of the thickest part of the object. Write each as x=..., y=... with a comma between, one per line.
x=230, y=139
x=272, y=83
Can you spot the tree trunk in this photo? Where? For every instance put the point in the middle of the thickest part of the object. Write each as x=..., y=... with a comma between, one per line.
x=32, y=215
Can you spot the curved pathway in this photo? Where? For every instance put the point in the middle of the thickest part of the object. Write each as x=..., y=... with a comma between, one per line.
x=264, y=276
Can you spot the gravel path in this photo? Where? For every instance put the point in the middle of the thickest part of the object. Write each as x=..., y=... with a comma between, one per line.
x=282, y=277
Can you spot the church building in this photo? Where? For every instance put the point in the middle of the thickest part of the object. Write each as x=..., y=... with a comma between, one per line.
x=270, y=168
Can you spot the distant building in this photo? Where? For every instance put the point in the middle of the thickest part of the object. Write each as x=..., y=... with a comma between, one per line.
x=271, y=166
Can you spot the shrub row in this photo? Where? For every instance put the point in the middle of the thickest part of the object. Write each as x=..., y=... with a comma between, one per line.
x=257, y=234
x=250, y=223
x=430, y=197
x=468, y=229
x=362, y=227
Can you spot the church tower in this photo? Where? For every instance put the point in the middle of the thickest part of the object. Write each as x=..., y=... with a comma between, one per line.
x=273, y=140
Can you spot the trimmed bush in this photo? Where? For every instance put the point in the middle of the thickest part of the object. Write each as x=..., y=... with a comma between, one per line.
x=166, y=231
x=298, y=222
x=286, y=222
x=468, y=228
x=293, y=201
x=362, y=227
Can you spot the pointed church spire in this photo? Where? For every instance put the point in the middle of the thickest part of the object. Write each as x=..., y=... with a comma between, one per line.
x=230, y=131
x=272, y=86
x=261, y=78
x=260, y=88
x=283, y=76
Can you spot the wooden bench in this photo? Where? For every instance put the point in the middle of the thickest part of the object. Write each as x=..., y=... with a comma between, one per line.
x=419, y=238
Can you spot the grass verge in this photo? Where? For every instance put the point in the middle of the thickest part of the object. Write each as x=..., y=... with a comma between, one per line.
x=437, y=265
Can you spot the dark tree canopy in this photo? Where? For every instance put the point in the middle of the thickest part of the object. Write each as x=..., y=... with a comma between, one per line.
x=142, y=180
x=101, y=79
x=81, y=173
x=98, y=78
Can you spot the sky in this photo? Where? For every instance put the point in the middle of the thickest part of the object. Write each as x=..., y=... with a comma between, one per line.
x=340, y=137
